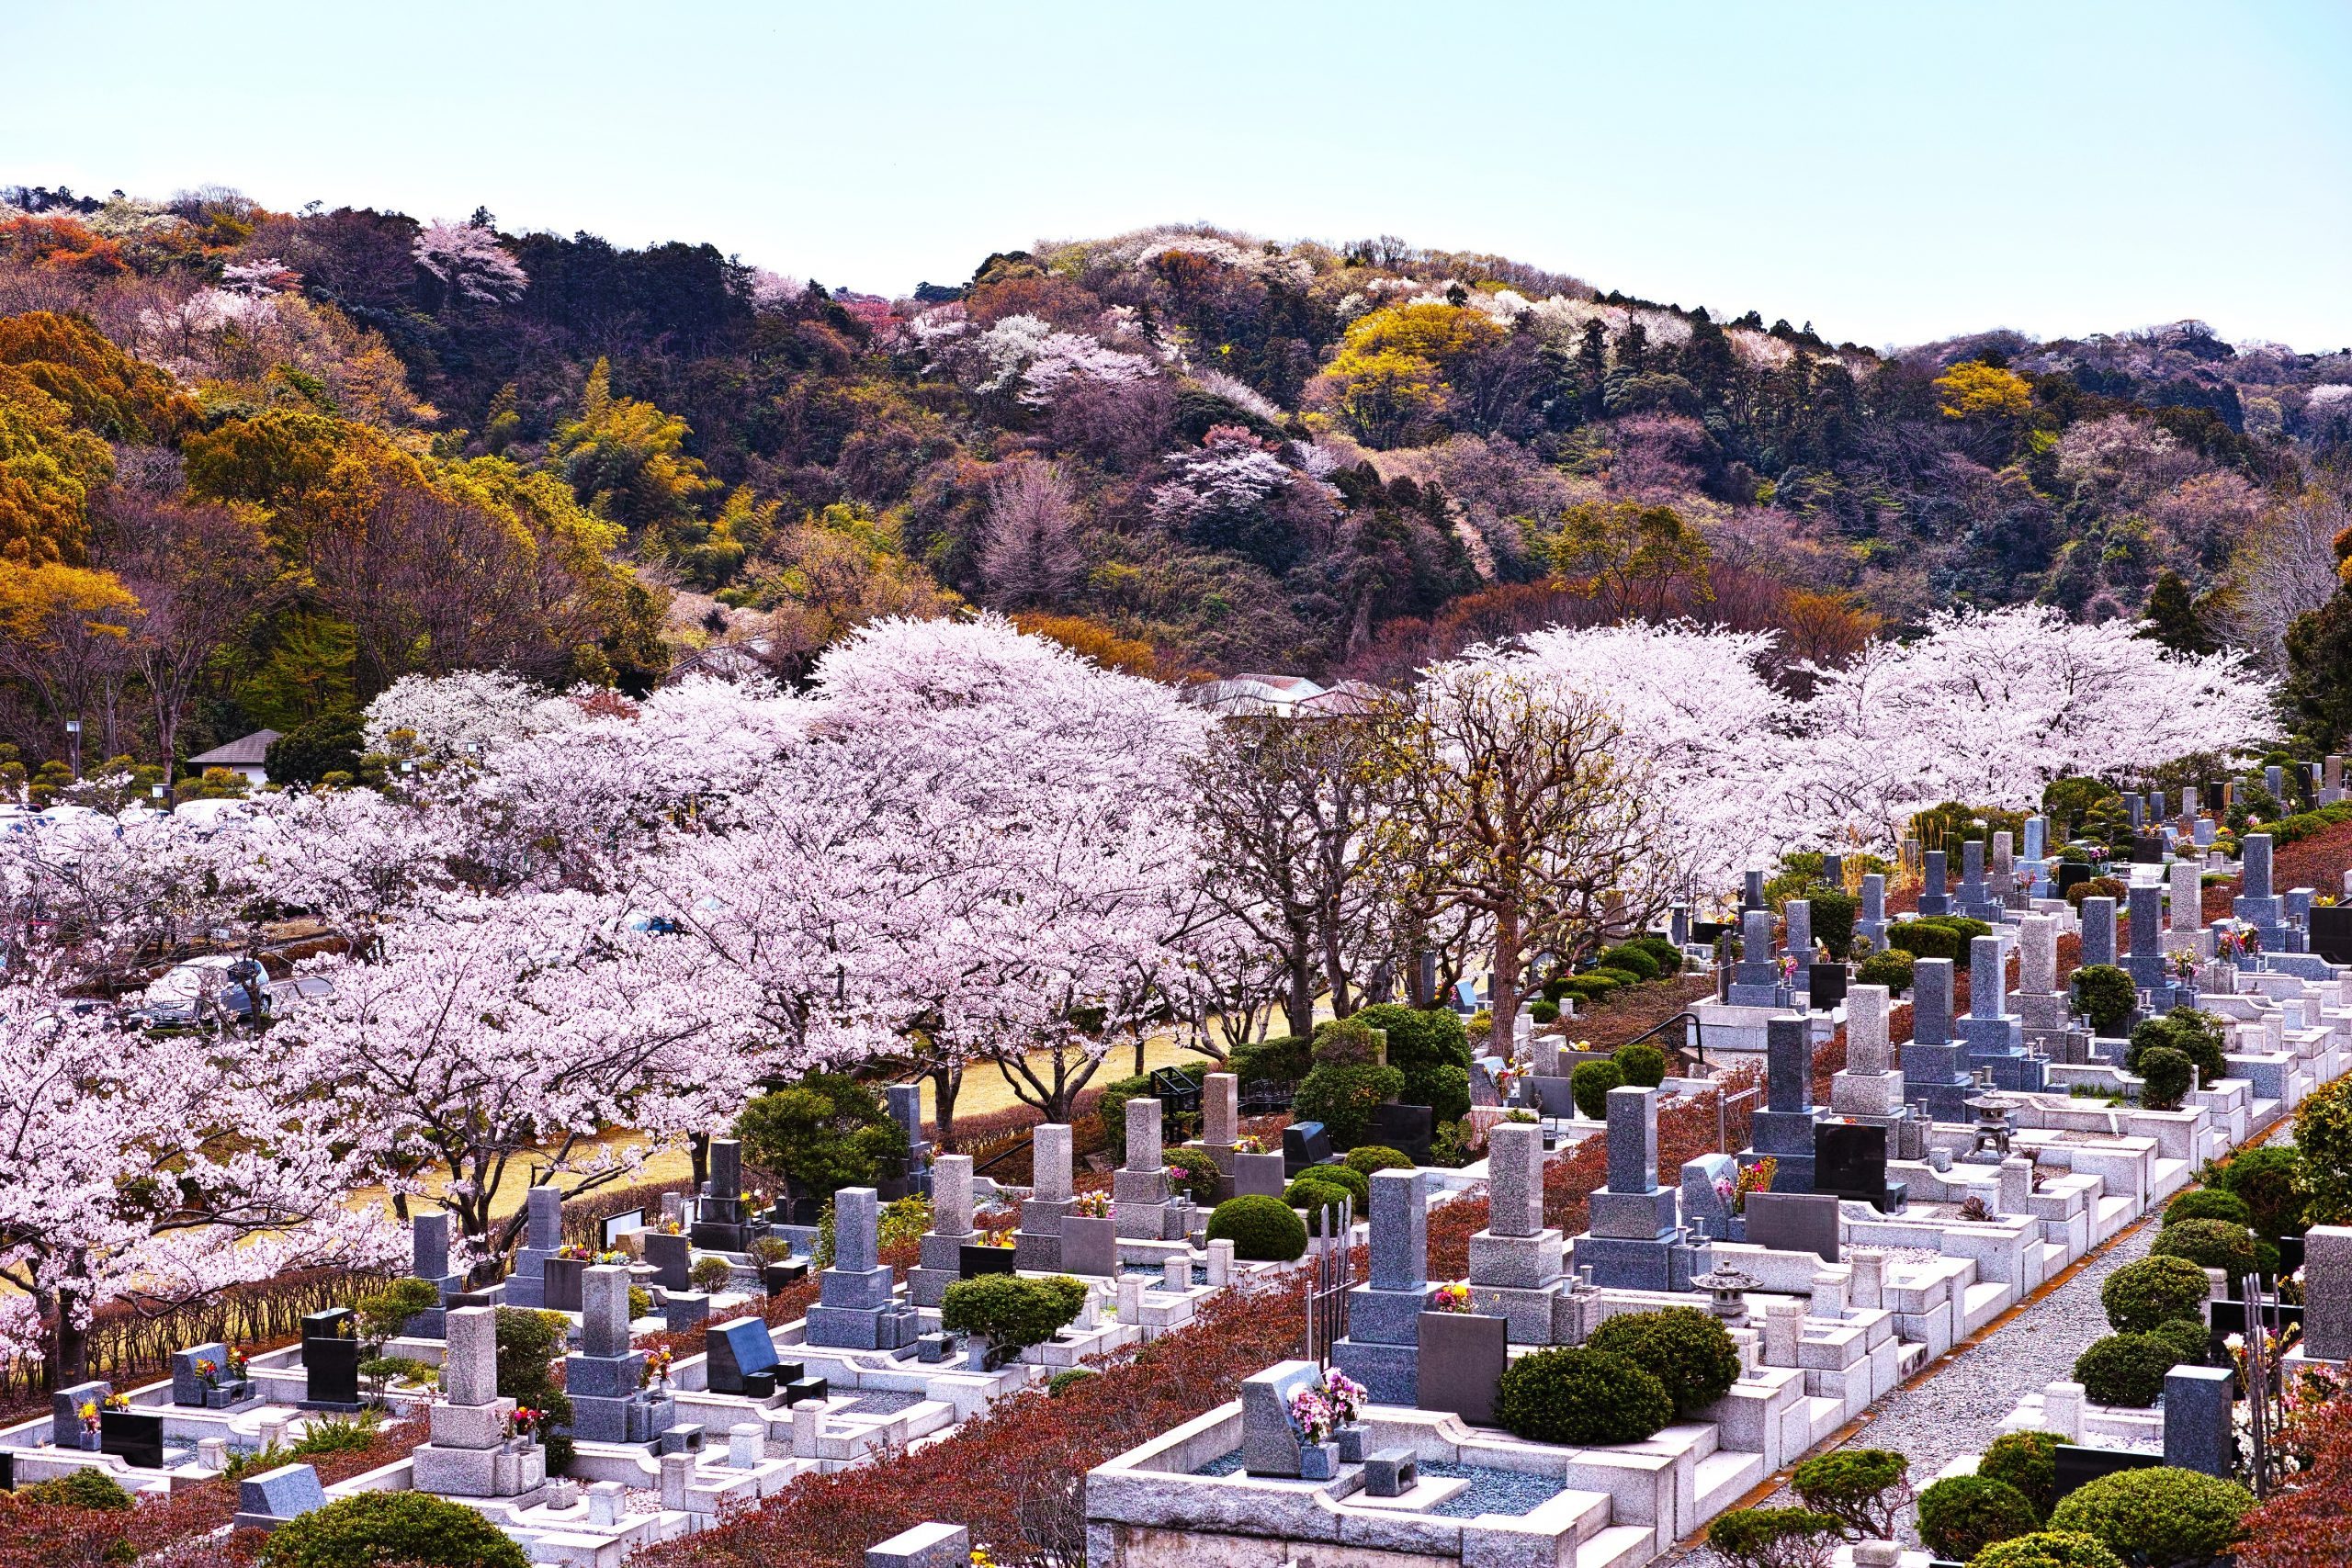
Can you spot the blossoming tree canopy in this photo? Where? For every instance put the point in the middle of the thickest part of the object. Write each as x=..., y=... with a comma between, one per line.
x=133, y=1165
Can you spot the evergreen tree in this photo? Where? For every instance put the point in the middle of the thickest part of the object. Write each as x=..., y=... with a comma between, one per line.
x=2319, y=672
x=2173, y=619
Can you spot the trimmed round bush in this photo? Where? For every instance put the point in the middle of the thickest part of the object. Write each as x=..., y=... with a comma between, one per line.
x=2192, y=1033
x=1961, y=1515
x=2265, y=1179
x=1687, y=1349
x=2208, y=1203
x=1891, y=969
x=2099, y=888
x=2141, y=1295
x=1631, y=960
x=2160, y=1515
x=1009, y=1312
x=2104, y=991
x=2165, y=1077
x=2047, y=1548
x=1192, y=1173
x=1864, y=1489
x=1544, y=1011
x=1342, y=1095
x=1669, y=956
x=2209, y=1244
x=1354, y=1184
x=2323, y=1138
x=1754, y=1537
x=2125, y=1369
x=396, y=1527
x=1593, y=988
x=1622, y=976
x=91, y=1489
x=1590, y=1084
x=1370, y=1158
x=1432, y=1048
x=1349, y=1042
x=1642, y=1064
x=1580, y=1396
x=2191, y=1341
x=2027, y=1460
x=1261, y=1229
x=1925, y=938
x=1555, y=988
x=1062, y=1382
x=710, y=1274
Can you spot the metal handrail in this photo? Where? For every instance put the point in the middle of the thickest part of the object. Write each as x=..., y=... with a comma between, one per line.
x=1694, y=1037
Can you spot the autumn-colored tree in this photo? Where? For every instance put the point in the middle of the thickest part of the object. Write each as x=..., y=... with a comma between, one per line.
x=1637, y=561
x=1974, y=390
x=627, y=460
x=48, y=469
x=1826, y=628
x=1390, y=377
x=103, y=388
x=64, y=631
x=832, y=572
x=201, y=574
x=1096, y=641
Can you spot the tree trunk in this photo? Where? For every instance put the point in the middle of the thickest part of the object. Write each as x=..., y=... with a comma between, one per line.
x=72, y=1362
x=947, y=1083
x=1298, y=1007
x=1503, y=1002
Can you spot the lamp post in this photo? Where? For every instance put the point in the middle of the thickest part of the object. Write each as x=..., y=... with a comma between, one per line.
x=73, y=744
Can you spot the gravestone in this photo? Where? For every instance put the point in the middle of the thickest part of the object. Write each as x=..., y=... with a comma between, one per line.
x=1751, y=895
x=741, y=1358
x=2187, y=900
x=2099, y=930
x=1995, y=1036
x=1261, y=1175
x=2034, y=858
x=1935, y=1075
x=1755, y=979
x=1933, y=899
x=672, y=1257
x=1798, y=915
x=1977, y=899
x=542, y=1237
x=1783, y=1129
x=856, y=1310
x=1795, y=1222
x=1872, y=923
x=1139, y=1188
x=605, y=1378
x=268, y=1500
x=1635, y=1242
x=330, y=1361
x=2259, y=903
x=1849, y=1161
x=1869, y=1089
x=1824, y=986
x=2200, y=1433
x=65, y=1413
x=1221, y=1124
x=1269, y=1442
x=1037, y=1245
x=2327, y=1292
x=1708, y=1183
x=924, y=1546
x=1515, y=1262
x=189, y=1387
x=1407, y=1129
x=468, y=1453
x=1381, y=1350
x=1305, y=1144
x=429, y=1261
x=951, y=1232
x=720, y=1221
x=904, y=1102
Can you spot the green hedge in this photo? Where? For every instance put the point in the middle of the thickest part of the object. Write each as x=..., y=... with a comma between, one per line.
x=1686, y=1348
x=1342, y=1097
x=2142, y=1294
x=2126, y=1370
x=2047, y=1548
x=1262, y=1229
x=2027, y=1460
x=1580, y=1397
x=1010, y=1311
x=2160, y=1515
x=1961, y=1515
x=2264, y=1181
x=391, y=1526
x=2209, y=1244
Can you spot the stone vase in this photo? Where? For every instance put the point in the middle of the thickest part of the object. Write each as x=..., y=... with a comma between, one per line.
x=1350, y=1440
x=1318, y=1461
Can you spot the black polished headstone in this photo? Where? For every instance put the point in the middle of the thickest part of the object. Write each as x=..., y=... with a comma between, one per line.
x=135, y=1436
x=1849, y=1160
x=2078, y=1465
x=1824, y=985
x=2070, y=872
x=1305, y=1144
x=1407, y=1129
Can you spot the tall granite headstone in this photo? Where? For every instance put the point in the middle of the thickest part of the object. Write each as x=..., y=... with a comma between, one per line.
x=1037, y=1245
x=1635, y=1241
x=1783, y=1129
x=1935, y=1071
x=1515, y=1262
x=542, y=1237
x=1382, y=1346
x=951, y=1230
x=856, y=1310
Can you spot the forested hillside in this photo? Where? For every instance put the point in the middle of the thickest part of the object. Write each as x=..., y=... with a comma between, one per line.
x=254, y=465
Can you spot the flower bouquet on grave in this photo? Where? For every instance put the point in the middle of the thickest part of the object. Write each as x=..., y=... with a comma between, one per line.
x=1249, y=1144
x=2184, y=967
x=1347, y=1399
x=1311, y=1417
x=573, y=1252
x=658, y=1361
x=1095, y=1205
x=997, y=1239
x=613, y=1256
x=1788, y=969
x=1757, y=1177
x=1453, y=1298
x=207, y=1371
x=522, y=1425
x=116, y=1401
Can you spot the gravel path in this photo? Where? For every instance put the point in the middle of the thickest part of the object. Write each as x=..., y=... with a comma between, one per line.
x=1957, y=1405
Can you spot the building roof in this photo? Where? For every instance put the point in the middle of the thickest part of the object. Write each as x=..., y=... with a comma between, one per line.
x=246, y=751
x=1283, y=696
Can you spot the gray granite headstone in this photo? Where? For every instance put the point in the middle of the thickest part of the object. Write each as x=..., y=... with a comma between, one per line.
x=2037, y=953
x=1400, y=1237
x=1515, y=1178
x=1931, y=1001
x=2327, y=1292
x=1988, y=978
x=2099, y=930
x=2257, y=850
x=1756, y=936
x=1704, y=1206
x=857, y=1220
x=543, y=1209
x=603, y=1310
x=1867, y=1050
x=469, y=1367
x=2198, y=1430
x=429, y=1246
x=1050, y=1162
x=2188, y=898
x=286, y=1493
x=1144, y=1149
x=1221, y=1109
x=1632, y=1139
x=1788, y=1066
x=188, y=1383
x=1269, y=1441
x=1798, y=912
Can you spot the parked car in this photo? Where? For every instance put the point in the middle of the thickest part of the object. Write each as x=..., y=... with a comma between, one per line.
x=284, y=994
x=213, y=989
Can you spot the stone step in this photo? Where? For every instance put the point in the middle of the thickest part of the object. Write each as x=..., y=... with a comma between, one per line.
x=1721, y=1480
x=1619, y=1546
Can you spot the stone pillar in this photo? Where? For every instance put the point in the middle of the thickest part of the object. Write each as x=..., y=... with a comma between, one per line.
x=1783, y=1129
x=1140, y=1189
x=1873, y=922
x=1037, y=1246
x=1783, y=1331
x=951, y=1230
x=1382, y=1349
x=1751, y=891
x=2147, y=959
x=2188, y=898
x=1933, y=897
x=856, y=1310
x=542, y=1236
x=1798, y=913
x=1931, y=1001
x=1221, y=1110
x=1515, y=1262
x=1868, y=1291
x=2062, y=1411
x=2099, y=930
x=2327, y=1292
x=2199, y=1434
x=466, y=1453
x=2257, y=849
x=2037, y=838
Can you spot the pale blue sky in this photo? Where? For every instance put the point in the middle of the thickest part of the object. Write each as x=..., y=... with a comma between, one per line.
x=1891, y=172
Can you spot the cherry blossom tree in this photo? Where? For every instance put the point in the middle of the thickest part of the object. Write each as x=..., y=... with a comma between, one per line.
x=506, y=1038
x=469, y=263
x=156, y=1169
